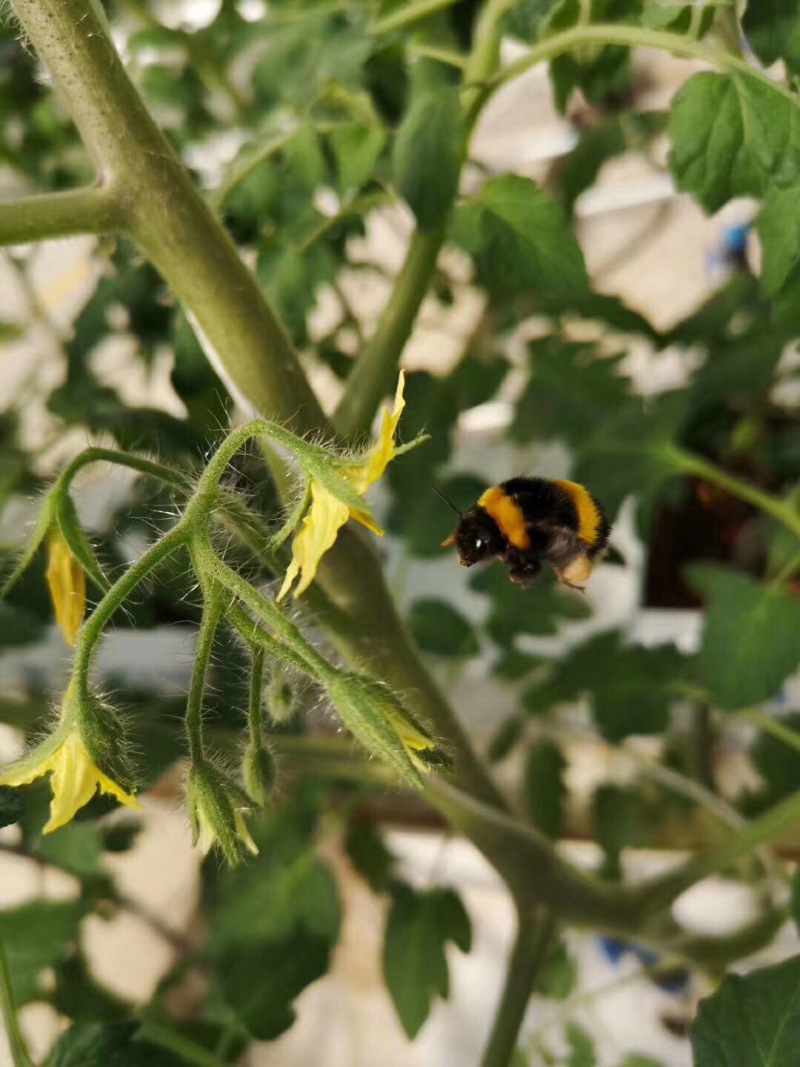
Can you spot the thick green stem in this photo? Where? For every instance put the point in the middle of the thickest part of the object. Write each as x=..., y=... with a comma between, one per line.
x=8, y=1011
x=375, y=369
x=766, y=828
x=527, y=956
x=43, y=218
x=92, y=629
x=165, y=213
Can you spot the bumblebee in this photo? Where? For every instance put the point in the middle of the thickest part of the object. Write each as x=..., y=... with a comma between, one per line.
x=526, y=522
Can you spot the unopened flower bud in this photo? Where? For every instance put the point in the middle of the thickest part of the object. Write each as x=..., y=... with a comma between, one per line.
x=258, y=769
x=215, y=805
x=67, y=584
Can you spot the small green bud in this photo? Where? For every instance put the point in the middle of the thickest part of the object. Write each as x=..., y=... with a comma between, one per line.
x=258, y=770
x=280, y=699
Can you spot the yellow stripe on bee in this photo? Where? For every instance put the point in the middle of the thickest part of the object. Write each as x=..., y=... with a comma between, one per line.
x=508, y=515
x=589, y=518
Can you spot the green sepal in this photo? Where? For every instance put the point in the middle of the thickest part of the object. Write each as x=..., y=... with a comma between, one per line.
x=40, y=531
x=365, y=707
x=259, y=772
x=210, y=800
x=66, y=515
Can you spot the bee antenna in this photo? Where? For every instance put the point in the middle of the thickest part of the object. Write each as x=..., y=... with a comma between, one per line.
x=448, y=502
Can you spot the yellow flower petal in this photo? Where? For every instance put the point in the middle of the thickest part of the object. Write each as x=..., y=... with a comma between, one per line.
x=383, y=452
x=367, y=520
x=324, y=518
x=67, y=584
x=327, y=514
x=74, y=781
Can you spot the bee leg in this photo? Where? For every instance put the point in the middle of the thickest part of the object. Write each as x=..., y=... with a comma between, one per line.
x=522, y=569
x=575, y=572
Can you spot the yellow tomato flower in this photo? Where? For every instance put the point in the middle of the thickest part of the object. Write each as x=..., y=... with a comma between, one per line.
x=327, y=514
x=75, y=777
x=67, y=584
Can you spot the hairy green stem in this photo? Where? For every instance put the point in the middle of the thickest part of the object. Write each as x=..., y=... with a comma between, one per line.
x=123, y=459
x=165, y=213
x=288, y=633
x=52, y=215
x=8, y=1011
x=92, y=630
x=256, y=635
x=255, y=704
x=532, y=941
x=213, y=609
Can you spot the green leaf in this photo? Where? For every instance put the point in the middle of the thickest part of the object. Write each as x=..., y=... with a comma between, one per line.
x=356, y=149
x=414, y=961
x=598, y=71
x=618, y=822
x=108, y=1045
x=635, y=1060
x=627, y=453
x=269, y=899
x=779, y=232
x=260, y=982
x=515, y=611
x=733, y=135
x=426, y=158
x=751, y=1019
x=772, y=28
x=12, y=806
x=558, y=974
x=35, y=936
x=571, y=390
x=76, y=847
x=581, y=1047
x=369, y=855
x=438, y=628
x=751, y=638
x=580, y=167
x=544, y=787
x=777, y=763
x=631, y=688
x=79, y=996
x=519, y=238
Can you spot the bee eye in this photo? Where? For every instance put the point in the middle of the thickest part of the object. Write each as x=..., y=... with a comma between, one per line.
x=478, y=542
